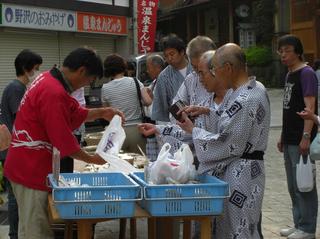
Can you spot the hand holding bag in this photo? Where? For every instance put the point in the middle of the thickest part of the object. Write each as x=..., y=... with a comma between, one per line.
x=304, y=175
x=315, y=148
x=112, y=139
x=145, y=119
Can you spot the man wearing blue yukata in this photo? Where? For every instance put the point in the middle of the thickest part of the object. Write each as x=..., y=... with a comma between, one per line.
x=171, y=78
x=168, y=84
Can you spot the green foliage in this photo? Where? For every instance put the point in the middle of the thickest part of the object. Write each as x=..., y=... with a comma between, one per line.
x=263, y=15
x=258, y=56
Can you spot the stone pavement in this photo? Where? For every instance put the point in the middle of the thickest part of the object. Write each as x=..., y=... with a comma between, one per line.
x=276, y=205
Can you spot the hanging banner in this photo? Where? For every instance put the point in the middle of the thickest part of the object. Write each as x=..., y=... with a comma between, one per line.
x=90, y=22
x=146, y=24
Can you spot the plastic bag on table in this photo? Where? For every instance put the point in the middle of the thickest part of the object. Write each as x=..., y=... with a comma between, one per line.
x=110, y=145
x=172, y=169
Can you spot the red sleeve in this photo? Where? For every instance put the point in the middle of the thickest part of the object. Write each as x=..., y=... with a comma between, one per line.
x=61, y=114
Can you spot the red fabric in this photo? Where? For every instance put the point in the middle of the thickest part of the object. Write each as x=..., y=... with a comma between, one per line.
x=46, y=117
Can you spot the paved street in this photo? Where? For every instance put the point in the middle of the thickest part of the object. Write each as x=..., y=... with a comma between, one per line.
x=276, y=206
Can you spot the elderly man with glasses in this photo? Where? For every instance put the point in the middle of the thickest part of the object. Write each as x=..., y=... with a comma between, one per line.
x=236, y=147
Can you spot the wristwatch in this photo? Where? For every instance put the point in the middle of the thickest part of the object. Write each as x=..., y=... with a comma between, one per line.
x=306, y=135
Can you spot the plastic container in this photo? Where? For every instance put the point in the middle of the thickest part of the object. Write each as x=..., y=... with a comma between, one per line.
x=102, y=195
x=205, y=198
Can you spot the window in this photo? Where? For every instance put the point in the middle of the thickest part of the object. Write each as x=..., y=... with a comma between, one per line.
x=247, y=38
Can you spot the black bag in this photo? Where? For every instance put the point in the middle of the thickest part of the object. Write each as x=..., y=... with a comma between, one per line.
x=145, y=119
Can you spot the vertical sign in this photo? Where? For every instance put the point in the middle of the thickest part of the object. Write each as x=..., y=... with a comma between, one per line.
x=147, y=20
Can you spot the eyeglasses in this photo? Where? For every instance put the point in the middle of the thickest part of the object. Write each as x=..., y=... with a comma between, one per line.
x=213, y=69
x=203, y=73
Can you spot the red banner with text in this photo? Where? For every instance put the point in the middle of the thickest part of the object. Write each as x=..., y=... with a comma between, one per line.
x=97, y=23
x=146, y=23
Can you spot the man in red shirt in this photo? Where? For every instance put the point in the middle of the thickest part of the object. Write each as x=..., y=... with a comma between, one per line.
x=45, y=119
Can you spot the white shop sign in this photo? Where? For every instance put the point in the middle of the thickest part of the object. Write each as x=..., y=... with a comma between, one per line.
x=38, y=18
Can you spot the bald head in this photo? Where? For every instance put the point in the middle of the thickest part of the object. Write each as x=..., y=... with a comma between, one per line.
x=156, y=60
x=233, y=54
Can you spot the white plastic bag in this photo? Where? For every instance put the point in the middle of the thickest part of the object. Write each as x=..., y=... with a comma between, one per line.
x=173, y=169
x=315, y=148
x=304, y=175
x=110, y=145
x=112, y=138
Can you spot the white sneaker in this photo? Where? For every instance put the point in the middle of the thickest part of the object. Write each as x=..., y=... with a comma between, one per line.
x=287, y=231
x=298, y=234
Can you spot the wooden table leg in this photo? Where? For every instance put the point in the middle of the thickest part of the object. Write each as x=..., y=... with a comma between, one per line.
x=123, y=225
x=186, y=229
x=206, y=228
x=84, y=229
x=133, y=228
x=68, y=233
x=167, y=225
x=152, y=228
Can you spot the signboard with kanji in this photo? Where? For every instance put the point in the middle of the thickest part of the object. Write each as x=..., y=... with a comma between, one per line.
x=89, y=22
x=38, y=18
x=147, y=19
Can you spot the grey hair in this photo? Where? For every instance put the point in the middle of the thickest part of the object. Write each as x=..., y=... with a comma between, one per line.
x=207, y=58
x=233, y=54
x=198, y=45
x=157, y=60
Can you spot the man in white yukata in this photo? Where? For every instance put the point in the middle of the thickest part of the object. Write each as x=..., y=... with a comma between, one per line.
x=205, y=113
x=191, y=91
x=238, y=146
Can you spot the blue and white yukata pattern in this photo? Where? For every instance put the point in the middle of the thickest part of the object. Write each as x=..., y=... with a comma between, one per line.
x=191, y=91
x=243, y=127
x=168, y=84
x=240, y=124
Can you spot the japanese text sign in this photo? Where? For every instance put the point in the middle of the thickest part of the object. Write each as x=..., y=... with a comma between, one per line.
x=147, y=19
x=89, y=22
x=38, y=18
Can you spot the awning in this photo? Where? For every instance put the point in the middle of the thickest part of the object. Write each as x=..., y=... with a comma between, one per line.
x=185, y=6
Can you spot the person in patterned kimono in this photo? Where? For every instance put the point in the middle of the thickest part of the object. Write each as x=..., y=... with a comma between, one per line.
x=205, y=112
x=235, y=151
x=191, y=91
x=171, y=78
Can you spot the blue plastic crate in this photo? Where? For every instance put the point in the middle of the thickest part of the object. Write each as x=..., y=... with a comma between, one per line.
x=104, y=195
x=205, y=198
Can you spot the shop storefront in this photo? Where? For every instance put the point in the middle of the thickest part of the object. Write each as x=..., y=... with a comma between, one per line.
x=53, y=33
